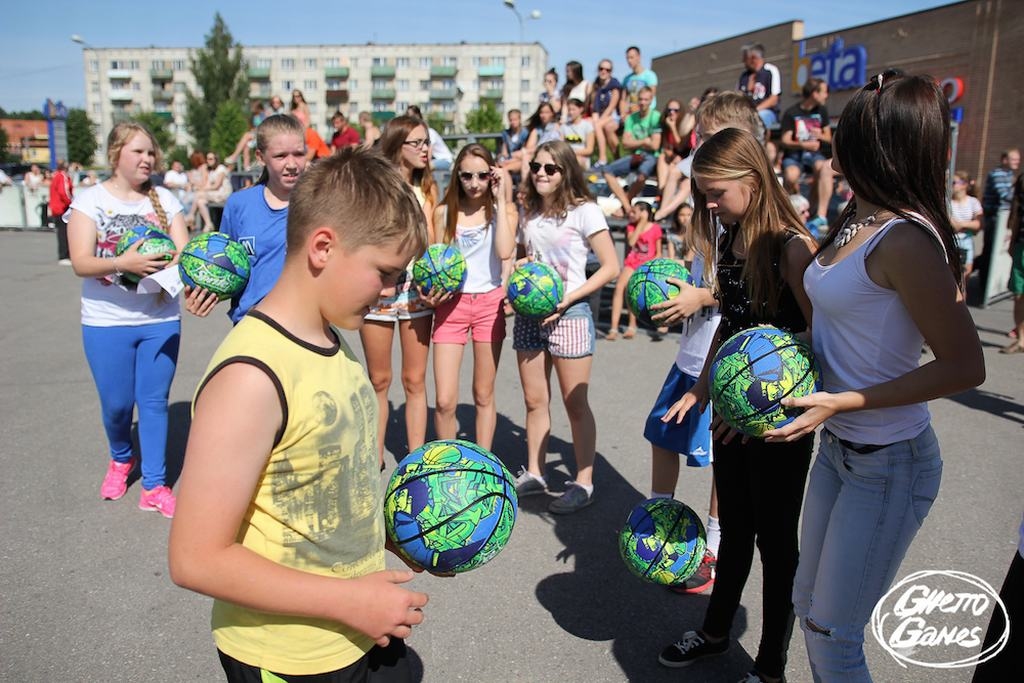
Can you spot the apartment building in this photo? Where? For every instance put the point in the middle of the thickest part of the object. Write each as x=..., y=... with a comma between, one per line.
x=447, y=79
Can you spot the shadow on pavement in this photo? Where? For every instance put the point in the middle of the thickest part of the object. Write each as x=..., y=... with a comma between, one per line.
x=995, y=404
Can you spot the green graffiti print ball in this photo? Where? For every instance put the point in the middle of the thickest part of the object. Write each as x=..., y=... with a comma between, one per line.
x=441, y=269
x=535, y=289
x=450, y=506
x=663, y=541
x=753, y=371
x=649, y=285
x=152, y=242
x=215, y=262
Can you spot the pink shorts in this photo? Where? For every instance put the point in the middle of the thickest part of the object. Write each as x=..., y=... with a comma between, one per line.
x=481, y=314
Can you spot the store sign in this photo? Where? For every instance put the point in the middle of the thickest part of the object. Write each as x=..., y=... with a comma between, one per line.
x=843, y=68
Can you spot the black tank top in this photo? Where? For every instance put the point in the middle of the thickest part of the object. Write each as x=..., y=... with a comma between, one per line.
x=737, y=312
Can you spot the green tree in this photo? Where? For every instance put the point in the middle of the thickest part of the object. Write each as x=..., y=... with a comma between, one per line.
x=438, y=122
x=22, y=115
x=5, y=156
x=229, y=124
x=157, y=125
x=485, y=119
x=219, y=70
x=178, y=153
x=81, y=138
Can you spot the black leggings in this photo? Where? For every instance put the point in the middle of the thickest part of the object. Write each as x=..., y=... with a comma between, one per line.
x=760, y=492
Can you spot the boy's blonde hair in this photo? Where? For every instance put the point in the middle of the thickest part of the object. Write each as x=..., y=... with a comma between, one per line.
x=730, y=110
x=362, y=197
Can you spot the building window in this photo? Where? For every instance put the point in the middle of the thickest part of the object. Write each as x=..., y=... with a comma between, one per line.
x=403, y=83
x=498, y=61
x=450, y=61
x=94, y=86
x=402, y=61
x=524, y=84
x=353, y=84
x=401, y=106
x=424, y=85
x=448, y=107
x=331, y=62
x=477, y=61
x=309, y=62
x=448, y=84
x=524, y=62
x=126, y=64
x=380, y=61
x=287, y=86
x=263, y=63
x=288, y=64
x=426, y=62
x=355, y=62
x=333, y=84
x=96, y=108
x=179, y=64
x=309, y=84
x=380, y=84
x=380, y=106
x=136, y=86
x=353, y=109
x=94, y=65
x=180, y=87
x=525, y=107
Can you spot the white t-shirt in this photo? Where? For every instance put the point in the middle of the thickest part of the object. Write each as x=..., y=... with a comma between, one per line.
x=483, y=267
x=576, y=133
x=438, y=149
x=175, y=180
x=698, y=331
x=221, y=194
x=564, y=243
x=111, y=303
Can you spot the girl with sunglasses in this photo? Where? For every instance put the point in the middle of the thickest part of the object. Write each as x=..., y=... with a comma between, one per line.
x=406, y=143
x=887, y=277
x=675, y=137
x=560, y=225
x=478, y=218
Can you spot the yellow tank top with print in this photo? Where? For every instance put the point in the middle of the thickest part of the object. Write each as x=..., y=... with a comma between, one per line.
x=318, y=506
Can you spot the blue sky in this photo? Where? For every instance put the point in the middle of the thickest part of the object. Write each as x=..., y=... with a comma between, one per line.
x=40, y=60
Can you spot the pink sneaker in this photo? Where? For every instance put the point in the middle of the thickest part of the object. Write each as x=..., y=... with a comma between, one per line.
x=116, y=482
x=160, y=499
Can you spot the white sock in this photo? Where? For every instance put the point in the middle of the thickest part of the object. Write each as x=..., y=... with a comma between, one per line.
x=655, y=494
x=537, y=477
x=714, y=535
x=589, y=488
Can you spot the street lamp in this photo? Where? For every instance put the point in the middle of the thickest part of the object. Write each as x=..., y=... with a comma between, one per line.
x=534, y=14
x=75, y=38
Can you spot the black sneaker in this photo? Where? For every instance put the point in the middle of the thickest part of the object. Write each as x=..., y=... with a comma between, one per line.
x=691, y=647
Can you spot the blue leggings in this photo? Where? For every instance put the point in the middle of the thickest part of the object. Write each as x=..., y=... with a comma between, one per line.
x=135, y=365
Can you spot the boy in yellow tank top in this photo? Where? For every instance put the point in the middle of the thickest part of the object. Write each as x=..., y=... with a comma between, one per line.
x=279, y=514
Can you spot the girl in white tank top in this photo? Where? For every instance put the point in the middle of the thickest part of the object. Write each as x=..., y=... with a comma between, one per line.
x=885, y=279
x=478, y=219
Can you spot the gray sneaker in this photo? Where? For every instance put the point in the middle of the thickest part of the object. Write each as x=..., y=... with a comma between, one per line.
x=575, y=498
x=528, y=484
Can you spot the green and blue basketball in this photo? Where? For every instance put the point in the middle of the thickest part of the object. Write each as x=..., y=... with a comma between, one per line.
x=753, y=371
x=535, y=289
x=649, y=285
x=663, y=541
x=152, y=242
x=215, y=262
x=441, y=269
x=450, y=506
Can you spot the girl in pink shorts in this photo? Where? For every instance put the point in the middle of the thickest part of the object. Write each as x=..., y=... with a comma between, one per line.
x=644, y=237
x=476, y=217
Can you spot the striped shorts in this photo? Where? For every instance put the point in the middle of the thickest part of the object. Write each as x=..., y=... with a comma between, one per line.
x=571, y=336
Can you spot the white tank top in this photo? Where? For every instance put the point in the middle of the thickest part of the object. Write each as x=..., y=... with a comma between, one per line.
x=863, y=336
x=483, y=267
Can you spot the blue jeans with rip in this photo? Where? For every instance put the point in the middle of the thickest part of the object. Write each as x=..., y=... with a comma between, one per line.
x=861, y=512
x=134, y=366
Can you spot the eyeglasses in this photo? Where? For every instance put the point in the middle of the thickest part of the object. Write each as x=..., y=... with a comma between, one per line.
x=604, y=68
x=466, y=176
x=549, y=169
x=415, y=144
x=672, y=110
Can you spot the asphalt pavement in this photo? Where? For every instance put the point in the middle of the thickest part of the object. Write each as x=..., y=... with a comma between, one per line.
x=86, y=594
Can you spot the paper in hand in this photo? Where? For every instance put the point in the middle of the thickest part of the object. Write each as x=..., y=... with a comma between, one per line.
x=167, y=280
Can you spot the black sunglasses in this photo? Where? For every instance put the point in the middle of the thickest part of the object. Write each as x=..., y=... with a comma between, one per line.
x=672, y=109
x=549, y=169
x=466, y=176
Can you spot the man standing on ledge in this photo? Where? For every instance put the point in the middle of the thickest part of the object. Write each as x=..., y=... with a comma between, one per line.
x=760, y=81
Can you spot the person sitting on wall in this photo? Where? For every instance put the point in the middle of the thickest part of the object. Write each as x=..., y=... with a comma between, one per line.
x=642, y=140
x=806, y=143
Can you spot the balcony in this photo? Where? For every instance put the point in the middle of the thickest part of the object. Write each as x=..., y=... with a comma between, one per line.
x=383, y=94
x=163, y=95
x=122, y=115
x=120, y=74
x=383, y=71
x=336, y=72
x=443, y=71
x=492, y=95
x=167, y=116
x=256, y=74
x=491, y=71
x=340, y=96
x=443, y=93
x=161, y=74
x=121, y=95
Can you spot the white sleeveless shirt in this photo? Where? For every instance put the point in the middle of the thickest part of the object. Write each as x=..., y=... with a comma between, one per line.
x=863, y=336
x=483, y=267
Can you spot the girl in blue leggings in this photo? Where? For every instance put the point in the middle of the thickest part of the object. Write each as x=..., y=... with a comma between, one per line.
x=131, y=339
